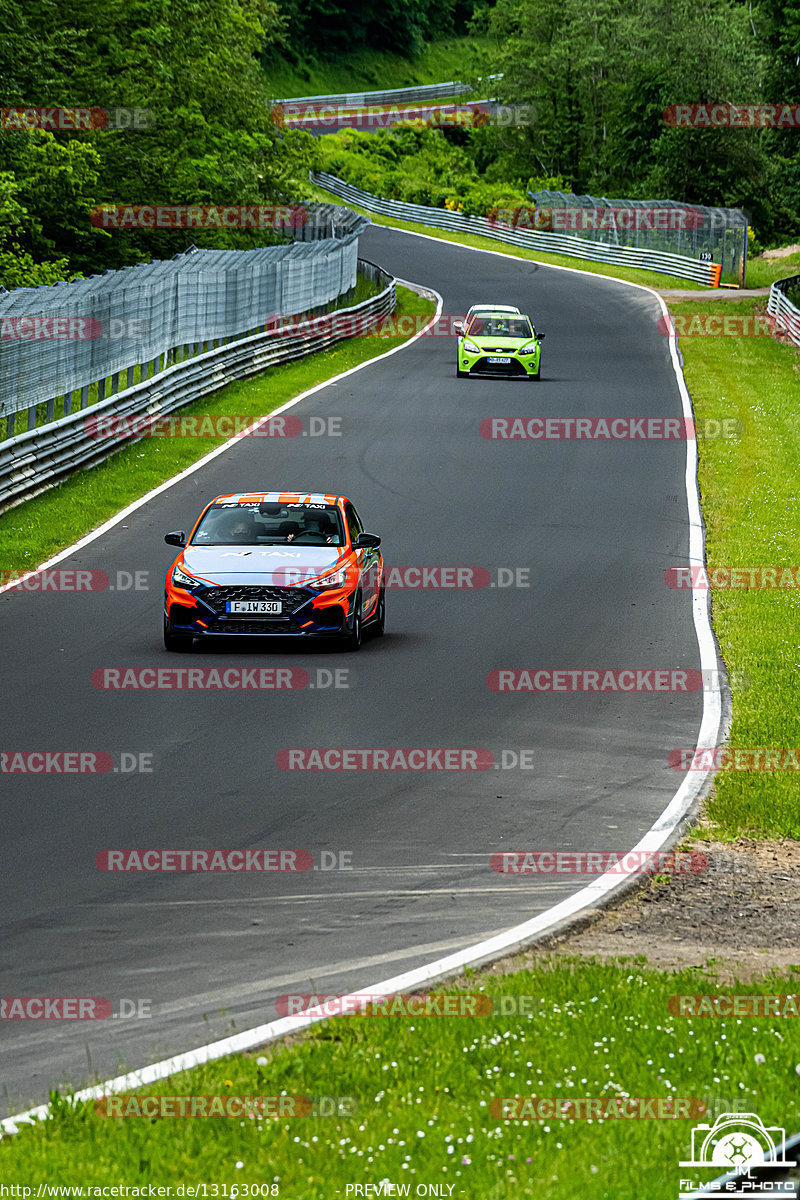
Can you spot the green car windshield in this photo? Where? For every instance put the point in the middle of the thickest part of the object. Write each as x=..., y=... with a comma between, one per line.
x=500, y=327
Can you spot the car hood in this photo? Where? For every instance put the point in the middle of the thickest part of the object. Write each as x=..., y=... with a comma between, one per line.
x=260, y=564
x=500, y=343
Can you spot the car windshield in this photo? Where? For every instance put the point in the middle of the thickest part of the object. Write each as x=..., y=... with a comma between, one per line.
x=494, y=327
x=269, y=524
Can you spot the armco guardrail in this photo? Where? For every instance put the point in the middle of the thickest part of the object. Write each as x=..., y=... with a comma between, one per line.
x=41, y=458
x=787, y=315
x=553, y=243
x=426, y=91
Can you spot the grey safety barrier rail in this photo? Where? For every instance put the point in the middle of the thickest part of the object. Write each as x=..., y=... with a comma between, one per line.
x=786, y=314
x=427, y=91
x=553, y=243
x=34, y=461
x=64, y=340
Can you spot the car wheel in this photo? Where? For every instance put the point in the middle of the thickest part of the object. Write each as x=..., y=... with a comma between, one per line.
x=379, y=621
x=461, y=374
x=176, y=642
x=353, y=639
x=537, y=374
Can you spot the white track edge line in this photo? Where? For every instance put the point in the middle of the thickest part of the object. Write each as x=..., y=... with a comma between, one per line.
x=518, y=936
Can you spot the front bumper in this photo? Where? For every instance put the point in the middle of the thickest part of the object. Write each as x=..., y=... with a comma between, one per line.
x=305, y=613
x=518, y=366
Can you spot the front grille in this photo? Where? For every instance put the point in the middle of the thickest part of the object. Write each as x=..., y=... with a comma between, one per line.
x=252, y=627
x=217, y=597
x=514, y=367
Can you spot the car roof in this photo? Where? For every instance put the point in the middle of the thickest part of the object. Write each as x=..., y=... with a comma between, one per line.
x=491, y=312
x=495, y=308
x=279, y=498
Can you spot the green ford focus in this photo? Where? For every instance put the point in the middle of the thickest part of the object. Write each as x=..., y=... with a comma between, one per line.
x=499, y=343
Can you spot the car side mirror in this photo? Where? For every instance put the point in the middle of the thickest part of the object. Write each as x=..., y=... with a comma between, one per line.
x=459, y=328
x=366, y=541
x=175, y=539
x=541, y=336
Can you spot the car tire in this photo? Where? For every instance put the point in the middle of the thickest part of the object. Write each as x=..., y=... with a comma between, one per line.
x=461, y=374
x=176, y=642
x=537, y=375
x=354, y=637
x=379, y=620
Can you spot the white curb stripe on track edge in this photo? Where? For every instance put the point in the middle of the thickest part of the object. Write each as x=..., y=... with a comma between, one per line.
x=519, y=935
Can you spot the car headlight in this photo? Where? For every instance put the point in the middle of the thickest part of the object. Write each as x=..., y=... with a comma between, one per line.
x=182, y=580
x=336, y=579
x=529, y=349
x=470, y=347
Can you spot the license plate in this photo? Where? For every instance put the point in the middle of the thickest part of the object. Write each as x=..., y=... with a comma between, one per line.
x=257, y=608
x=498, y=360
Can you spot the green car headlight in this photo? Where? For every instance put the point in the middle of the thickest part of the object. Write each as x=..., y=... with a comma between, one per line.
x=529, y=349
x=470, y=347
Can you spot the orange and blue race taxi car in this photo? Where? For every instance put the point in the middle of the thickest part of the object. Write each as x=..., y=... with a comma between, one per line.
x=275, y=564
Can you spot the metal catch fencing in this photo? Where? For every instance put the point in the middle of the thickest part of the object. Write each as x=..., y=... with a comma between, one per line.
x=786, y=314
x=76, y=343
x=34, y=461
x=682, y=265
x=717, y=236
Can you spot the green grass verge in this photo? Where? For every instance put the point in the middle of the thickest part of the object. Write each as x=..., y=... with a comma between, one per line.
x=39, y=528
x=649, y=278
x=424, y=1085
x=761, y=272
x=373, y=70
x=749, y=501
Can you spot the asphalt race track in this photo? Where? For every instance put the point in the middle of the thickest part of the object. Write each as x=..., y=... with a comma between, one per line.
x=596, y=524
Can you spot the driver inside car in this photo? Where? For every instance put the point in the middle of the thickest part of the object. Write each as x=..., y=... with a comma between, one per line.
x=318, y=526
x=236, y=528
